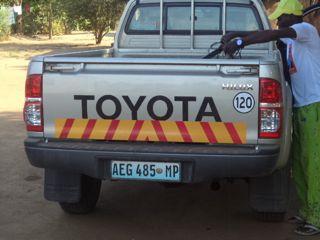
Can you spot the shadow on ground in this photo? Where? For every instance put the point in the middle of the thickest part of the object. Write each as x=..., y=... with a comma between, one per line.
x=126, y=210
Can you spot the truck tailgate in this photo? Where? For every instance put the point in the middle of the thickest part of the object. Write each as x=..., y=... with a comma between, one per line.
x=156, y=100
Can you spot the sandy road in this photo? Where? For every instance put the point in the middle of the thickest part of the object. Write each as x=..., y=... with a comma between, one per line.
x=126, y=210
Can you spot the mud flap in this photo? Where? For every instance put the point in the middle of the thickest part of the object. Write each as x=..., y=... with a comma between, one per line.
x=270, y=194
x=62, y=186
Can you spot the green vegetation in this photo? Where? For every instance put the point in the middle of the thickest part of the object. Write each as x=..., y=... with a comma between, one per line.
x=4, y=24
x=98, y=16
x=55, y=17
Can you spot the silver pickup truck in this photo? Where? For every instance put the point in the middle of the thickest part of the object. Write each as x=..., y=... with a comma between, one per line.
x=152, y=109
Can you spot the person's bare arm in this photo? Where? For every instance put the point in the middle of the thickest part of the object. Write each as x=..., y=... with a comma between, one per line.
x=269, y=35
x=259, y=37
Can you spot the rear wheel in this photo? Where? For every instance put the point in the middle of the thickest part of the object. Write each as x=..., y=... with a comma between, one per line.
x=269, y=196
x=90, y=191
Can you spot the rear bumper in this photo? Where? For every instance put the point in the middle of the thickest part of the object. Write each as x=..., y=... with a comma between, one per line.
x=199, y=162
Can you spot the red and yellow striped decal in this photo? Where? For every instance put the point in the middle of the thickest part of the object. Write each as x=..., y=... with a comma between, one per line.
x=153, y=131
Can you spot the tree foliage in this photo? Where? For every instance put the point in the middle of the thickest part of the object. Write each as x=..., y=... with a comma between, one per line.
x=4, y=24
x=98, y=16
x=63, y=16
x=47, y=17
x=7, y=2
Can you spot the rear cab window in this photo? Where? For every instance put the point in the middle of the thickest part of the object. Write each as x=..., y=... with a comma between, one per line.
x=145, y=19
x=242, y=18
x=207, y=19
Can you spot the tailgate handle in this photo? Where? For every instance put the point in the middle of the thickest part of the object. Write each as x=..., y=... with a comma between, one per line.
x=64, y=67
x=241, y=70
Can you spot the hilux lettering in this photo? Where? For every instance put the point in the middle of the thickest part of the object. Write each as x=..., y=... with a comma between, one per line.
x=207, y=109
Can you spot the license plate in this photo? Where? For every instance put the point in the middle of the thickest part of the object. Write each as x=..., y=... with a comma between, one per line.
x=154, y=171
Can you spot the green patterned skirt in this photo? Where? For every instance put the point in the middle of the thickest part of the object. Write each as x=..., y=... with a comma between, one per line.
x=306, y=160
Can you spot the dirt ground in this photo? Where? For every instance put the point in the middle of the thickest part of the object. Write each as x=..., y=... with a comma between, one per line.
x=126, y=210
x=16, y=53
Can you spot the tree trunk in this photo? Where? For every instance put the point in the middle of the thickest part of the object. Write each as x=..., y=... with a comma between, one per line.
x=67, y=28
x=20, y=22
x=19, y=25
x=50, y=20
x=99, y=36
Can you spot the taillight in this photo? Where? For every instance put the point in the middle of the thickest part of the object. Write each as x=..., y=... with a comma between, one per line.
x=270, y=110
x=32, y=111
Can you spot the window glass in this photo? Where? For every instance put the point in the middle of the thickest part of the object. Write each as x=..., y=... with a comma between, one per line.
x=179, y=18
x=207, y=18
x=146, y=18
x=241, y=19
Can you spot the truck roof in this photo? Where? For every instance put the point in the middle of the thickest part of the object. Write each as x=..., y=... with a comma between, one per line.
x=188, y=1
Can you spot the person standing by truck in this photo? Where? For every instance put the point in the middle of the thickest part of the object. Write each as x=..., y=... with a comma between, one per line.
x=303, y=57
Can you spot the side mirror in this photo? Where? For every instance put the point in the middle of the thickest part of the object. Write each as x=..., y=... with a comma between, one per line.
x=311, y=9
x=313, y=18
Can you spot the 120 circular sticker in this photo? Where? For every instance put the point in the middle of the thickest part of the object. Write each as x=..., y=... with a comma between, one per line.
x=243, y=102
